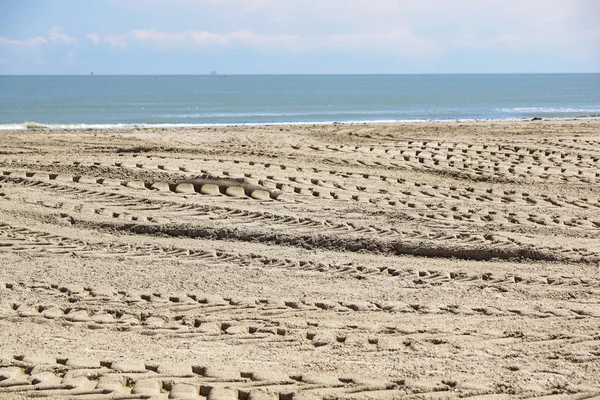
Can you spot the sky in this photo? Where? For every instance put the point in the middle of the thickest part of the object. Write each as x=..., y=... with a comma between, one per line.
x=298, y=36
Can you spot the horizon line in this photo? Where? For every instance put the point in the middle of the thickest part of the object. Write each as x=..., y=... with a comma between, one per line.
x=309, y=74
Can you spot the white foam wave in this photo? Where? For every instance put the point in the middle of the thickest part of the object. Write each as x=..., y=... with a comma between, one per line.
x=42, y=126
x=83, y=127
x=548, y=110
x=279, y=115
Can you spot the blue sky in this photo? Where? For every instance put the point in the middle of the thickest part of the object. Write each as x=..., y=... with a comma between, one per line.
x=298, y=36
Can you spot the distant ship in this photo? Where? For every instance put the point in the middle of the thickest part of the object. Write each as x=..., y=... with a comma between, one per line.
x=214, y=73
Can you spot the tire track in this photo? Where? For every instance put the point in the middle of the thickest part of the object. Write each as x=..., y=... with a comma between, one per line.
x=211, y=315
x=294, y=184
x=310, y=233
x=137, y=379
x=48, y=376
x=203, y=185
x=508, y=163
x=414, y=202
x=18, y=239
x=390, y=327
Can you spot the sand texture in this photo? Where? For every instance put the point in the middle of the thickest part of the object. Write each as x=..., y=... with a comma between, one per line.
x=367, y=261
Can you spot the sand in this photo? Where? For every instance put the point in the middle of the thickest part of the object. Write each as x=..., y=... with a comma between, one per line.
x=365, y=261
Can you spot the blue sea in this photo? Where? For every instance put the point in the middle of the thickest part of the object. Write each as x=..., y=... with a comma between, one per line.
x=95, y=101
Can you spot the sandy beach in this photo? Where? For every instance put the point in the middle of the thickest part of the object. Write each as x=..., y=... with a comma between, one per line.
x=345, y=261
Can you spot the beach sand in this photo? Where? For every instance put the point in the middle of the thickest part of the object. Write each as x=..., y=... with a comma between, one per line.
x=345, y=261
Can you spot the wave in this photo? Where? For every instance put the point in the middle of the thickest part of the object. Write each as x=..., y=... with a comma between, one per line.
x=315, y=113
x=272, y=115
x=595, y=110
x=84, y=127
x=43, y=126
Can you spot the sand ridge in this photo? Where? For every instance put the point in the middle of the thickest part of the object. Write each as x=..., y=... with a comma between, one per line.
x=330, y=261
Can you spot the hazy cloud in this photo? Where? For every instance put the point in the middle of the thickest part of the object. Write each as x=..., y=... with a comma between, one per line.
x=397, y=41
x=116, y=41
x=32, y=42
x=93, y=37
x=364, y=15
x=55, y=36
x=423, y=27
x=178, y=38
x=313, y=35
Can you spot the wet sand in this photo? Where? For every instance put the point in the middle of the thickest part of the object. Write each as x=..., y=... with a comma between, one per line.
x=366, y=261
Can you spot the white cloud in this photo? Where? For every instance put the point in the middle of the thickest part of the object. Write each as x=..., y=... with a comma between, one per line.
x=397, y=41
x=178, y=38
x=146, y=5
x=94, y=37
x=56, y=36
x=32, y=42
x=580, y=42
x=366, y=14
x=116, y=41
x=407, y=27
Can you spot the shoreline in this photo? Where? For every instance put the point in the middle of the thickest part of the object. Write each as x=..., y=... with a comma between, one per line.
x=36, y=126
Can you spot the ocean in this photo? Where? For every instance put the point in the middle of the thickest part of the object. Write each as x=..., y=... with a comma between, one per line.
x=95, y=101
